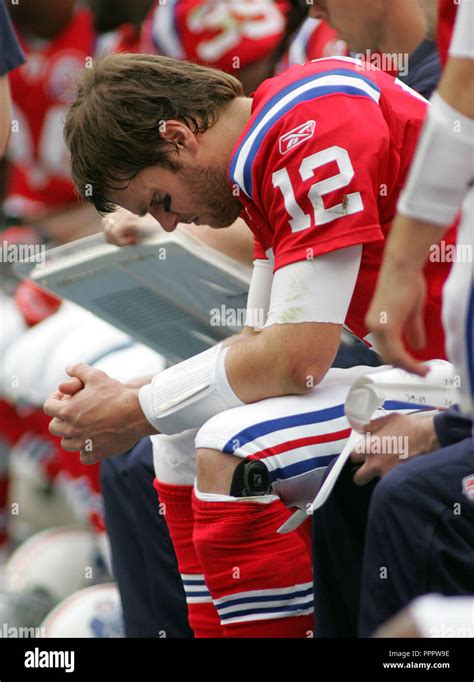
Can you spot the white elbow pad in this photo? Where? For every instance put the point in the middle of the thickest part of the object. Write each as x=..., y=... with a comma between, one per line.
x=186, y=395
x=443, y=166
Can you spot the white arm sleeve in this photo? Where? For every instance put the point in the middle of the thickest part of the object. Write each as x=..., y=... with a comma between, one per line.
x=258, y=300
x=462, y=43
x=443, y=167
x=318, y=290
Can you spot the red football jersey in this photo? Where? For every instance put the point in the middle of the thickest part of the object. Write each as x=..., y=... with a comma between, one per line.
x=40, y=175
x=446, y=19
x=215, y=32
x=320, y=165
x=313, y=40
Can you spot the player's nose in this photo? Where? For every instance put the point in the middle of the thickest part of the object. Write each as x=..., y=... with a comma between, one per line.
x=168, y=220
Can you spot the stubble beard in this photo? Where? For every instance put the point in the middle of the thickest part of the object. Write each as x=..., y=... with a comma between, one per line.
x=211, y=189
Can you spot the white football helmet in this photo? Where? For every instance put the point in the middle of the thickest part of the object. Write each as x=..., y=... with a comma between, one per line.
x=93, y=612
x=25, y=359
x=40, y=503
x=46, y=569
x=129, y=363
x=101, y=345
x=87, y=341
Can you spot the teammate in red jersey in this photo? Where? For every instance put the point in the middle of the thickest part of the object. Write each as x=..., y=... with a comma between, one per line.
x=316, y=161
x=39, y=178
x=59, y=39
x=237, y=36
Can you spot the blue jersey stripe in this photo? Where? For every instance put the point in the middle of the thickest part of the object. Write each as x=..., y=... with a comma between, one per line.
x=311, y=94
x=297, y=84
x=263, y=428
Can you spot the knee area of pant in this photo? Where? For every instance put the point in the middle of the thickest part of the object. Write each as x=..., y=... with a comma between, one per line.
x=214, y=471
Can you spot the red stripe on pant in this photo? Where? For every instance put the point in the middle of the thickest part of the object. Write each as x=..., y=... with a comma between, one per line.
x=239, y=550
x=177, y=508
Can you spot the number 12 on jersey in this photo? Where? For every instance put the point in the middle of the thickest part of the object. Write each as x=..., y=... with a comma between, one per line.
x=322, y=214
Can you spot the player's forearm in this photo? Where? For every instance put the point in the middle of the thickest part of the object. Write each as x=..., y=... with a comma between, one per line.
x=254, y=372
x=409, y=244
x=136, y=419
x=237, y=338
x=283, y=359
x=457, y=85
x=273, y=363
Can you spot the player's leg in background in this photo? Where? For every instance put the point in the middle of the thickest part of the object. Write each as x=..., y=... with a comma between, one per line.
x=161, y=566
x=338, y=545
x=143, y=559
x=420, y=534
x=174, y=458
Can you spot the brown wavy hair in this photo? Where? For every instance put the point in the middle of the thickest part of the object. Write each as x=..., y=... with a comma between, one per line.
x=112, y=130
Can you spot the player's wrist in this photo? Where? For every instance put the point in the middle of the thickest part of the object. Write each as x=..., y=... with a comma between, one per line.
x=409, y=245
x=397, y=262
x=134, y=415
x=427, y=436
x=138, y=382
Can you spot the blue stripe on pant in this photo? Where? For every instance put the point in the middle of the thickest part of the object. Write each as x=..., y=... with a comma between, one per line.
x=144, y=563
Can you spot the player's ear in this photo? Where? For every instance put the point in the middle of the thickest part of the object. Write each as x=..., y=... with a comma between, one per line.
x=179, y=133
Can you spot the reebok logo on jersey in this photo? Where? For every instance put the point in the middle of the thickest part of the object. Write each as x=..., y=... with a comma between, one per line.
x=290, y=140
